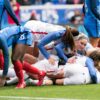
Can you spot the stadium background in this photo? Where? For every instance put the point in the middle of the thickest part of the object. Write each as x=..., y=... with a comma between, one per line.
x=52, y=11
x=57, y=12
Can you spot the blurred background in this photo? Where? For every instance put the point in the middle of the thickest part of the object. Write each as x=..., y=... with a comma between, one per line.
x=61, y=12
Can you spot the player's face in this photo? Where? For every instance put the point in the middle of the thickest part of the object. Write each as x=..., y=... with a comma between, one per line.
x=81, y=44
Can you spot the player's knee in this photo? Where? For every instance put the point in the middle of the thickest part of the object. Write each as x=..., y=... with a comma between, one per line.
x=48, y=82
x=59, y=81
x=15, y=58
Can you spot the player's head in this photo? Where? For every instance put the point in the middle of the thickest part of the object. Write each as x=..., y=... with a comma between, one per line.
x=68, y=37
x=95, y=55
x=81, y=41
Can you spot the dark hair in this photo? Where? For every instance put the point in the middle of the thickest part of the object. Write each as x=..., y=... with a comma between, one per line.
x=68, y=37
x=95, y=55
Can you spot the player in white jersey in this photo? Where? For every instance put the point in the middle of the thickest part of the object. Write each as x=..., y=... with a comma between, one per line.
x=76, y=73
x=42, y=65
x=40, y=29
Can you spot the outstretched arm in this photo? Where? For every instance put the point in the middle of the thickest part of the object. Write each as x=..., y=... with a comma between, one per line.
x=59, y=48
x=4, y=47
x=47, y=39
x=10, y=11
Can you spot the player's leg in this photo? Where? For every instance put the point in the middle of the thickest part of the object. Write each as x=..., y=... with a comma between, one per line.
x=72, y=80
x=14, y=80
x=29, y=58
x=46, y=81
x=34, y=70
x=18, y=52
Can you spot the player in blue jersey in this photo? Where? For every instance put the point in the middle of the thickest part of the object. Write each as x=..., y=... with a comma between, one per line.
x=63, y=37
x=92, y=20
x=19, y=38
x=5, y=5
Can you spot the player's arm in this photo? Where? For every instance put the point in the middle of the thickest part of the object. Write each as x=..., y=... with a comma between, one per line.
x=59, y=48
x=91, y=68
x=95, y=9
x=4, y=47
x=10, y=11
x=47, y=39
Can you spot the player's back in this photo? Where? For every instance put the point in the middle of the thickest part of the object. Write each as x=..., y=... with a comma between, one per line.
x=9, y=32
x=38, y=26
x=40, y=29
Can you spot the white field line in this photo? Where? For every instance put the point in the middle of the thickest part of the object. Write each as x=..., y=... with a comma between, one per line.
x=35, y=98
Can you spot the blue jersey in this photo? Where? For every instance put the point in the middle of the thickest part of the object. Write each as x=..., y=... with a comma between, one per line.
x=11, y=36
x=5, y=5
x=54, y=36
x=92, y=17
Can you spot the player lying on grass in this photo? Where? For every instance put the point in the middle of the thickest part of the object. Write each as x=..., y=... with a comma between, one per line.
x=42, y=65
x=78, y=72
x=71, y=73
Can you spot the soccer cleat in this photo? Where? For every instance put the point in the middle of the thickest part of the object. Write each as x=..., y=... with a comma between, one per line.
x=41, y=77
x=21, y=85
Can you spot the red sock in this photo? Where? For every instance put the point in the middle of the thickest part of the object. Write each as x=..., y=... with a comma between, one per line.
x=1, y=61
x=27, y=67
x=19, y=71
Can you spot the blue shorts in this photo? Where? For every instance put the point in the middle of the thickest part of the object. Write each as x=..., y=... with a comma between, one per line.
x=93, y=27
x=25, y=38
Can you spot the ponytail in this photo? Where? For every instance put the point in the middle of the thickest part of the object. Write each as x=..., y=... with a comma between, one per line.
x=68, y=37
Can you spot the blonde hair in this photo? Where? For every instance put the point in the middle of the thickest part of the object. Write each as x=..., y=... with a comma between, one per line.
x=81, y=36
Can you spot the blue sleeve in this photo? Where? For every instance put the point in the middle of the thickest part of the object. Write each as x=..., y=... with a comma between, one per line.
x=95, y=7
x=59, y=48
x=91, y=68
x=10, y=11
x=4, y=47
x=47, y=39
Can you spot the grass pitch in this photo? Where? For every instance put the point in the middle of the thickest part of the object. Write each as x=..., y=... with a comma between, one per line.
x=75, y=92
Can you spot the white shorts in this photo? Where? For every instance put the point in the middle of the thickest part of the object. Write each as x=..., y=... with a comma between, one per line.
x=76, y=74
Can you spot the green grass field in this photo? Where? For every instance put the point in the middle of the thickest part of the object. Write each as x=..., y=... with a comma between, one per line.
x=75, y=92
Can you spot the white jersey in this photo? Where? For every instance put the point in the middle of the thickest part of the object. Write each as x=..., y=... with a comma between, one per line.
x=80, y=59
x=46, y=66
x=40, y=29
x=98, y=76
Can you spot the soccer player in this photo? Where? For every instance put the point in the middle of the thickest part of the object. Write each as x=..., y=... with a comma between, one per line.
x=5, y=5
x=75, y=73
x=48, y=33
x=78, y=72
x=52, y=33
x=92, y=20
x=20, y=38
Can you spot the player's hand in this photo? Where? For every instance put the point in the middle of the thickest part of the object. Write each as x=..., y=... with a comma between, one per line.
x=2, y=81
x=72, y=60
x=51, y=60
